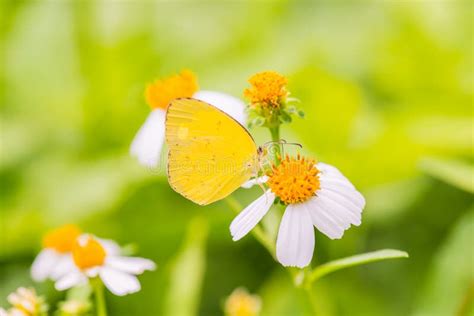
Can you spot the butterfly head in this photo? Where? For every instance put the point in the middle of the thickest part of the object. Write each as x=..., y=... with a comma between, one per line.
x=262, y=151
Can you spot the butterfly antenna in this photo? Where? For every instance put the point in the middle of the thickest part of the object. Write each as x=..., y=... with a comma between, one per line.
x=260, y=184
x=294, y=144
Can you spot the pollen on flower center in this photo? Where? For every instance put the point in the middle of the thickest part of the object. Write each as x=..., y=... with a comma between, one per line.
x=161, y=92
x=241, y=303
x=294, y=180
x=88, y=253
x=26, y=302
x=62, y=239
x=268, y=89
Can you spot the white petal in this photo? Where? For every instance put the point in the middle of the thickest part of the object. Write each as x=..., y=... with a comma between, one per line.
x=255, y=181
x=64, y=266
x=83, y=238
x=17, y=312
x=133, y=265
x=333, y=180
x=119, y=283
x=337, y=204
x=14, y=298
x=27, y=305
x=331, y=212
x=110, y=246
x=323, y=223
x=225, y=102
x=328, y=169
x=251, y=215
x=44, y=264
x=340, y=202
x=147, y=144
x=70, y=280
x=295, y=243
x=92, y=272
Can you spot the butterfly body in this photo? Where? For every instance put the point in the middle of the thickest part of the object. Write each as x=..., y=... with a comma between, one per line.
x=210, y=154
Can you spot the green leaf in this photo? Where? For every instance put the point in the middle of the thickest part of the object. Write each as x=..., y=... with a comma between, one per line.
x=281, y=298
x=456, y=173
x=285, y=117
x=450, y=282
x=80, y=292
x=356, y=260
x=187, y=272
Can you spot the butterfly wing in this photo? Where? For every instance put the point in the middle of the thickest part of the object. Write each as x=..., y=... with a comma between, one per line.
x=210, y=154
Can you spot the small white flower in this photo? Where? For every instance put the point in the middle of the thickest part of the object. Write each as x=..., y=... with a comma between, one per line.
x=25, y=302
x=91, y=259
x=55, y=258
x=148, y=142
x=315, y=194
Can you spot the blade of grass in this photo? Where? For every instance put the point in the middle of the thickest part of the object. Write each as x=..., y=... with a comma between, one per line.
x=356, y=260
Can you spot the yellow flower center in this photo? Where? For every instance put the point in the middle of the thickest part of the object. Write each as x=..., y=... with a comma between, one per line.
x=268, y=89
x=62, y=239
x=294, y=180
x=88, y=253
x=26, y=301
x=161, y=92
x=241, y=303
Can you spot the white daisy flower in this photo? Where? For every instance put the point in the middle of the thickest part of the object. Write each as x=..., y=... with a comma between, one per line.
x=314, y=194
x=25, y=302
x=55, y=257
x=91, y=260
x=147, y=144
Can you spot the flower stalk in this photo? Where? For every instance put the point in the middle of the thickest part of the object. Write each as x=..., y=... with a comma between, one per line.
x=275, y=132
x=100, y=306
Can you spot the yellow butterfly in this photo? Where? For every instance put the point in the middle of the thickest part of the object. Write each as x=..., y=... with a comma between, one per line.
x=210, y=154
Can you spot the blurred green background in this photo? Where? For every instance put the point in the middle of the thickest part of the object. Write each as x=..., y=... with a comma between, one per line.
x=387, y=88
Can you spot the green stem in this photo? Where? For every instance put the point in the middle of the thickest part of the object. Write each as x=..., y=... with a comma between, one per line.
x=275, y=149
x=258, y=232
x=100, y=307
x=312, y=300
x=275, y=132
x=463, y=309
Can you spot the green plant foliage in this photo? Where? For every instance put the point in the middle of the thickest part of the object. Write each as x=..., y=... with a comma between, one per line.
x=187, y=272
x=356, y=260
x=456, y=173
x=448, y=290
